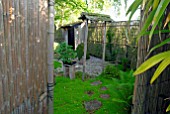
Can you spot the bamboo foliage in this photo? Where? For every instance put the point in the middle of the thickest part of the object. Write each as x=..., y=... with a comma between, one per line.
x=23, y=50
x=152, y=44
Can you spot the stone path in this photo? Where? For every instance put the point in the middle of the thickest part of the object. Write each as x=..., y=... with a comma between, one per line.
x=103, y=88
x=105, y=96
x=96, y=83
x=89, y=93
x=93, y=105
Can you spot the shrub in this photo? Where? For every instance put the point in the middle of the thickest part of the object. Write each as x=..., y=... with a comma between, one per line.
x=121, y=89
x=80, y=51
x=125, y=89
x=57, y=64
x=111, y=71
x=125, y=62
x=79, y=74
x=95, y=49
x=66, y=53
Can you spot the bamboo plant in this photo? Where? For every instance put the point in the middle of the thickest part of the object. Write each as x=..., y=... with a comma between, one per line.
x=157, y=12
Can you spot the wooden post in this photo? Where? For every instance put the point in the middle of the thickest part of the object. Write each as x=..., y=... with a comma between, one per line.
x=85, y=48
x=66, y=70
x=50, y=58
x=104, y=45
x=66, y=35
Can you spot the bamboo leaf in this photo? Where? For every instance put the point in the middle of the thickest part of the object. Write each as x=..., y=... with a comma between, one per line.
x=151, y=62
x=133, y=8
x=143, y=4
x=148, y=6
x=157, y=32
x=130, y=8
x=155, y=4
x=146, y=24
x=167, y=20
x=168, y=109
x=159, y=12
x=161, y=68
x=159, y=45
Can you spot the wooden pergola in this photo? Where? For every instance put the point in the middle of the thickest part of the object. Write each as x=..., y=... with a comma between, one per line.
x=94, y=17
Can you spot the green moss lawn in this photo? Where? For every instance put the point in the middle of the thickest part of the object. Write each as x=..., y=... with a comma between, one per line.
x=69, y=95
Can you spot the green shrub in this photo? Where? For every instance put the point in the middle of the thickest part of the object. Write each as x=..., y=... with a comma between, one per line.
x=78, y=74
x=111, y=71
x=66, y=53
x=57, y=64
x=120, y=67
x=80, y=52
x=121, y=91
x=124, y=89
x=95, y=49
x=125, y=62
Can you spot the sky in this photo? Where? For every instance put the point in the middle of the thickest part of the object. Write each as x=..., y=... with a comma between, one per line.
x=122, y=16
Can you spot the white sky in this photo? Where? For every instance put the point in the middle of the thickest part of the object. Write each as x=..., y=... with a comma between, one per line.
x=122, y=16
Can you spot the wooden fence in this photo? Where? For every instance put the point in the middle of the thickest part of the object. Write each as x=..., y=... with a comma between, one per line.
x=120, y=41
x=23, y=56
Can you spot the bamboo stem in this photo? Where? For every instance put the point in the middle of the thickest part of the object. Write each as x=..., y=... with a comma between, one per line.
x=50, y=56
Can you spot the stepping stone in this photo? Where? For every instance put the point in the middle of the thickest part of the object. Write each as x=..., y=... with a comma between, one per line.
x=103, y=88
x=90, y=93
x=105, y=96
x=96, y=83
x=93, y=105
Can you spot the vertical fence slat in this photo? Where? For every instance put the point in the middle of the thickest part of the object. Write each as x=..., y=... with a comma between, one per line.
x=2, y=54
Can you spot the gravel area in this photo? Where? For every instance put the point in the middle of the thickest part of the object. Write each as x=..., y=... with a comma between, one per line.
x=93, y=66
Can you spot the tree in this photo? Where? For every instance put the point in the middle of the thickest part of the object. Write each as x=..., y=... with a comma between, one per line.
x=68, y=11
x=152, y=99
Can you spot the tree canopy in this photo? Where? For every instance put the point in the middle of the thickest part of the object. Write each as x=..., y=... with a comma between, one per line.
x=67, y=11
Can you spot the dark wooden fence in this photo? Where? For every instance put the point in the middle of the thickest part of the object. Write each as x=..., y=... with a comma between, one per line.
x=23, y=56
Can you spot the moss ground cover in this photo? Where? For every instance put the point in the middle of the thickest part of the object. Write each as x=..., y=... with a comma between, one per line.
x=69, y=95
